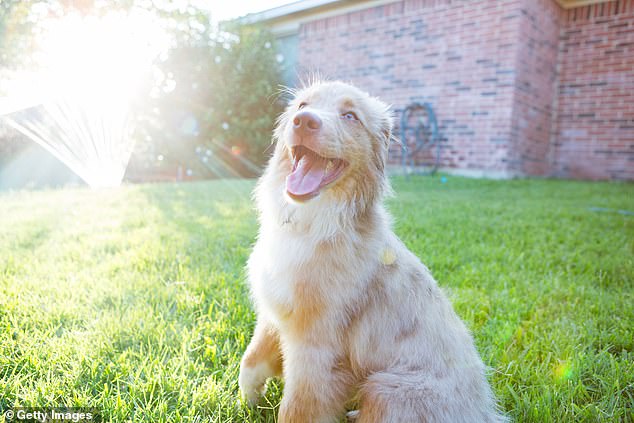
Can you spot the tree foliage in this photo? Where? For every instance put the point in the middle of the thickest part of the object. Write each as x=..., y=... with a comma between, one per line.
x=216, y=103
x=16, y=26
x=209, y=104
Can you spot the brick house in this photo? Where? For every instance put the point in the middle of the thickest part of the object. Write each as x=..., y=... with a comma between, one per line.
x=519, y=87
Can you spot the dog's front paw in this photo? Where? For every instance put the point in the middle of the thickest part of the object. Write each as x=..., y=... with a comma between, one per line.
x=252, y=381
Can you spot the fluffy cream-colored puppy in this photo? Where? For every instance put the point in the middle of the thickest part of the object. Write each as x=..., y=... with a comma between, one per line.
x=346, y=314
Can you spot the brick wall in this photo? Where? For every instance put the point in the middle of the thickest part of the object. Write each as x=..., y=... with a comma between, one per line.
x=594, y=137
x=535, y=87
x=459, y=58
x=520, y=87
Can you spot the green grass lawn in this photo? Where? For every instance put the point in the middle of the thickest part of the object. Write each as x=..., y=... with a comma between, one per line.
x=133, y=301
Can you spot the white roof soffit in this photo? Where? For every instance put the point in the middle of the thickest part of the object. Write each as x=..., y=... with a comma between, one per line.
x=287, y=19
x=571, y=4
x=301, y=6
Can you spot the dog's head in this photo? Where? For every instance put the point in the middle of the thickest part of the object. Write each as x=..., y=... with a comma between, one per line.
x=332, y=142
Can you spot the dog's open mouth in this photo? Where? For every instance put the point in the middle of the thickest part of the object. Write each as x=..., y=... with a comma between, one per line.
x=311, y=172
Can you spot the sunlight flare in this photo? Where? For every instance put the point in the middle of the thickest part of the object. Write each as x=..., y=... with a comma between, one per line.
x=563, y=370
x=77, y=103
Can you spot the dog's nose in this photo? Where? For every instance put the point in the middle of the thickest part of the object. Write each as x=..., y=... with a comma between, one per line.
x=307, y=122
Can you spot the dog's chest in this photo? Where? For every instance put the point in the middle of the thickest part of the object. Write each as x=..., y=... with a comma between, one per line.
x=285, y=274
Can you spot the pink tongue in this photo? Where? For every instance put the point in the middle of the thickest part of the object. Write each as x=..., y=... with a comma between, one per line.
x=307, y=177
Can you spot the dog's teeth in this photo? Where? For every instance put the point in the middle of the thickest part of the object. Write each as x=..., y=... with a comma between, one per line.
x=329, y=165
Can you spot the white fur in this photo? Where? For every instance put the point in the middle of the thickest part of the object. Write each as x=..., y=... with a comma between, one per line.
x=355, y=315
x=252, y=381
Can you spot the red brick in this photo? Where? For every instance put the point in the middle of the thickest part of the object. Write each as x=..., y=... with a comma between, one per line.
x=518, y=86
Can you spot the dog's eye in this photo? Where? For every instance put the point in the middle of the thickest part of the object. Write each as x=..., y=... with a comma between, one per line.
x=350, y=116
x=302, y=105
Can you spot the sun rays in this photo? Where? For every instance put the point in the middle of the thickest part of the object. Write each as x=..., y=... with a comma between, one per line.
x=77, y=103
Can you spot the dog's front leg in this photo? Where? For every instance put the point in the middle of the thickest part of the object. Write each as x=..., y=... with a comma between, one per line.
x=316, y=385
x=261, y=360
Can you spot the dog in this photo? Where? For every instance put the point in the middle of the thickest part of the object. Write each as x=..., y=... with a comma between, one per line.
x=346, y=314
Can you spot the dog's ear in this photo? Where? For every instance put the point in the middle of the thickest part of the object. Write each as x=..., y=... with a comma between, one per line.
x=383, y=118
x=387, y=126
x=382, y=133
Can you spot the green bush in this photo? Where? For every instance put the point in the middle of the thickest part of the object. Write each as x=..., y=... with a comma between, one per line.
x=216, y=104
